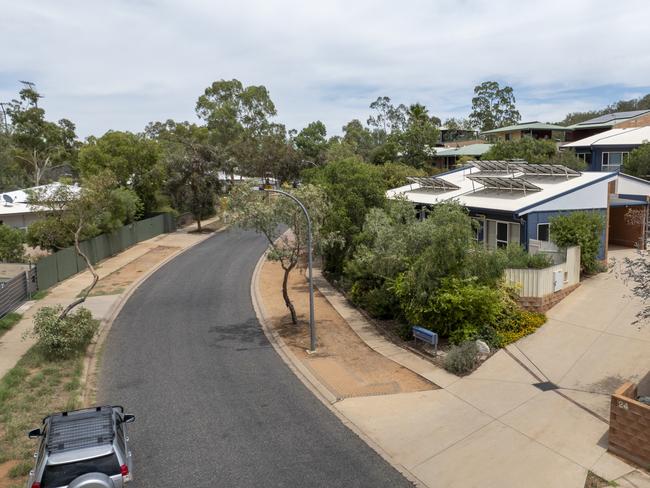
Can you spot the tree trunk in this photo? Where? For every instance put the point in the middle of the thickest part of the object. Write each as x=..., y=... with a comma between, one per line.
x=198, y=224
x=285, y=294
x=81, y=299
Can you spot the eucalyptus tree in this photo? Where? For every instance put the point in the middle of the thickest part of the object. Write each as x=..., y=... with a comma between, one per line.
x=72, y=214
x=250, y=208
x=39, y=146
x=493, y=106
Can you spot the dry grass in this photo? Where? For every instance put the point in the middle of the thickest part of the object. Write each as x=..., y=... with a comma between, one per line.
x=8, y=321
x=34, y=388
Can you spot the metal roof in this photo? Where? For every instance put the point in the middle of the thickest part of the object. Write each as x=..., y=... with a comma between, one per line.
x=469, y=150
x=515, y=202
x=19, y=198
x=625, y=202
x=608, y=120
x=634, y=136
x=527, y=126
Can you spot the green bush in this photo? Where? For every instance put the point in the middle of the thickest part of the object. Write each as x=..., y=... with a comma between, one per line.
x=582, y=229
x=539, y=261
x=61, y=338
x=9, y=320
x=514, y=324
x=12, y=249
x=458, y=309
x=461, y=359
x=379, y=302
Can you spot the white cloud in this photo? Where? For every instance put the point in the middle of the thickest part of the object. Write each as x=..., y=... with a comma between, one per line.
x=119, y=64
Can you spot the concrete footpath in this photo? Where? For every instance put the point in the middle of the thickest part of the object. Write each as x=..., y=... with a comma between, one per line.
x=495, y=428
x=14, y=344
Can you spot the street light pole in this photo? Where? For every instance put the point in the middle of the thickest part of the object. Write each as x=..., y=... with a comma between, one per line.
x=312, y=325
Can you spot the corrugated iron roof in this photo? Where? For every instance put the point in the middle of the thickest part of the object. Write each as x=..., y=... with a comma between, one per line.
x=526, y=126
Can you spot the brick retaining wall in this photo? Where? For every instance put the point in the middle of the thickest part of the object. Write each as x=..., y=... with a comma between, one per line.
x=542, y=304
x=629, y=426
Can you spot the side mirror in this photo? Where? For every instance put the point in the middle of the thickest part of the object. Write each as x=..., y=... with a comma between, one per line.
x=34, y=434
x=128, y=418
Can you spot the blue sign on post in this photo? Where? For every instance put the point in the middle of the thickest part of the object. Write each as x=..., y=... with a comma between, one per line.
x=426, y=335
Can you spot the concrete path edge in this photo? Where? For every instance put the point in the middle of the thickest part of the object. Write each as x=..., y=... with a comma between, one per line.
x=318, y=389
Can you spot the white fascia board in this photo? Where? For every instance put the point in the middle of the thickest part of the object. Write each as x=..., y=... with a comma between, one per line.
x=589, y=197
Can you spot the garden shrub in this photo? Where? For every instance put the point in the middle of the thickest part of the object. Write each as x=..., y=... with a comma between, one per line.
x=379, y=302
x=514, y=322
x=539, y=261
x=461, y=359
x=12, y=249
x=458, y=309
x=582, y=229
x=61, y=338
x=520, y=324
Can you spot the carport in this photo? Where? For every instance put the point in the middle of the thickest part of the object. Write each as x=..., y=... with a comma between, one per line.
x=628, y=222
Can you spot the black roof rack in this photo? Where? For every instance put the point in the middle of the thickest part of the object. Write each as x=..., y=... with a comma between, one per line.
x=80, y=429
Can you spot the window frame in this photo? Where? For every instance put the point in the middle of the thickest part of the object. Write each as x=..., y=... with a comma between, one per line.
x=498, y=241
x=607, y=166
x=547, y=224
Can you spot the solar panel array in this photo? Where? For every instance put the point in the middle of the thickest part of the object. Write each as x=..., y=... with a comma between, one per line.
x=498, y=166
x=80, y=430
x=547, y=170
x=521, y=166
x=433, y=183
x=502, y=183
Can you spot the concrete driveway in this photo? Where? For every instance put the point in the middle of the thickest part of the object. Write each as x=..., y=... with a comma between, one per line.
x=495, y=428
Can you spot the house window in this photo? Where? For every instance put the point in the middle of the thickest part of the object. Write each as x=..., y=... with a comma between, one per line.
x=479, y=231
x=543, y=232
x=502, y=234
x=612, y=161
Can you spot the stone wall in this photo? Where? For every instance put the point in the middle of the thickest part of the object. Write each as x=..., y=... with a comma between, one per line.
x=629, y=426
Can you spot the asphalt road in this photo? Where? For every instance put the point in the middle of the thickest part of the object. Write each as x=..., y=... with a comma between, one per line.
x=215, y=405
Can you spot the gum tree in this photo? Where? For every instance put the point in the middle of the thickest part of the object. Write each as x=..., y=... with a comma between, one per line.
x=72, y=214
x=268, y=214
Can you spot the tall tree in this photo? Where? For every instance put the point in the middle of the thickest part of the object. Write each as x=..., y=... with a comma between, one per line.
x=387, y=118
x=419, y=138
x=39, y=145
x=193, y=177
x=352, y=188
x=237, y=117
x=493, y=106
x=311, y=142
x=358, y=138
x=134, y=160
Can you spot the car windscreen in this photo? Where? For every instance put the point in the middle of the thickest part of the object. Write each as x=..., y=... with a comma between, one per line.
x=56, y=475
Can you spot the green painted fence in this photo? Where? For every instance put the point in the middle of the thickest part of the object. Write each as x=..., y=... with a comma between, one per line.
x=65, y=263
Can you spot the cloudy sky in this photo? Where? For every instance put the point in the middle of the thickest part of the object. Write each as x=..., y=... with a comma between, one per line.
x=118, y=64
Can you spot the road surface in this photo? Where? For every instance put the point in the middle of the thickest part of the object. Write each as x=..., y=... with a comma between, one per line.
x=215, y=405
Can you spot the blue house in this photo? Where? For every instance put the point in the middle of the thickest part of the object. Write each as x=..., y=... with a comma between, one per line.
x=608, y=150
x=514, y=201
